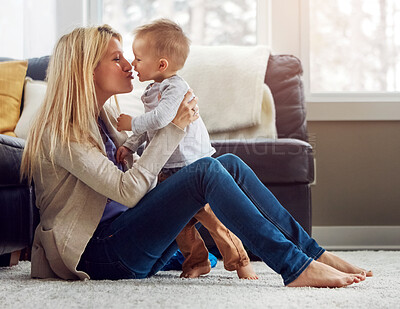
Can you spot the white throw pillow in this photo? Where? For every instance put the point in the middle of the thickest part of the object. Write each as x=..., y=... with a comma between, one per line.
x=34, y=91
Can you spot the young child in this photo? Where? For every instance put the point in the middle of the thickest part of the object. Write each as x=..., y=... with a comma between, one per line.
x=160, y=50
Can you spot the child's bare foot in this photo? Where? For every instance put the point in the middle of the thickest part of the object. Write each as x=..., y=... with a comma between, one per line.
x=320, y=275
x=246, y=272
x=196, y=272
x=340, y=264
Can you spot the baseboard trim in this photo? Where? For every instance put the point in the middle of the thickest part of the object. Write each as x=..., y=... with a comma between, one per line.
x=357, y=237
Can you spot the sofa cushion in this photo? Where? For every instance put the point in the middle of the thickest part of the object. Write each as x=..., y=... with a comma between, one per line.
x=37, y=67
x=12, y=75
x=34, y=92
x=275, y=161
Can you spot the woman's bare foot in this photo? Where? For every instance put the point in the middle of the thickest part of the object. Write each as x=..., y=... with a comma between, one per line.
x=246, y=272
x=340, y=264
x=320, y=275
x=196, y=272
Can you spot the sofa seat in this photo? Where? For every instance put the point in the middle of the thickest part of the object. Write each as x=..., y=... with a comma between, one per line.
x=275, y=161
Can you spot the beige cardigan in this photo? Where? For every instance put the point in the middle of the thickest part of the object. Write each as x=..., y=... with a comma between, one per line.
x=71, y=196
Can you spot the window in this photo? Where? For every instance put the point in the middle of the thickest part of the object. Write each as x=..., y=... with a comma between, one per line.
x=207, y=22
x=353, y=46
x=349, y=49
x=27, y=28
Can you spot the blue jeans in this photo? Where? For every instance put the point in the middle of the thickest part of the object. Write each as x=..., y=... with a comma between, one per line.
x=139, y=242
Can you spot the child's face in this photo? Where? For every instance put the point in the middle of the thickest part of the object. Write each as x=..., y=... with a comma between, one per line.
x=146, y=64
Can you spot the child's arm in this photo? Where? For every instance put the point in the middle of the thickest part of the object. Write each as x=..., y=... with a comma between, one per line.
x=164, y=113
x=131, y=145
x=134, y=141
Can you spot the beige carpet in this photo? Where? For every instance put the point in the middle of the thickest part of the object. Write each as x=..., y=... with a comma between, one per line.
x=220, y=289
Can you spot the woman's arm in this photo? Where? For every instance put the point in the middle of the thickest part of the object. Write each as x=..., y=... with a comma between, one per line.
x=188, y=111
x=92, y=167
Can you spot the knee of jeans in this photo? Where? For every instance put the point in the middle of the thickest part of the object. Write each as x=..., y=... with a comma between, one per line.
x=206, y=162
x=229, y=159
x=206, y=165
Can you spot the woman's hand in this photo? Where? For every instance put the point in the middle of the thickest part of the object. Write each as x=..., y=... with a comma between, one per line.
x=187, y=112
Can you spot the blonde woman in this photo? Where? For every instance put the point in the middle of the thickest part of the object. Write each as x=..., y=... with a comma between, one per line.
x=101, y=220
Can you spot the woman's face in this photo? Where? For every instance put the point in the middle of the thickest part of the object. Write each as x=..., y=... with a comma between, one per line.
x=113, y=74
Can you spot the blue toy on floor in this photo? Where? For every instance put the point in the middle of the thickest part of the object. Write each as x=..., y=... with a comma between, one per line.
x=176, y=261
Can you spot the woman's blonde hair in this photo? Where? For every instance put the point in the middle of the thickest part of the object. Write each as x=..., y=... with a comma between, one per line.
x=70, y=104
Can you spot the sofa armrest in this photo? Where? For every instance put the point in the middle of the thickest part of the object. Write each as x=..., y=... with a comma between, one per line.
x=19, y=216
x=283, y=161
x=11, y=149
x=284, y=79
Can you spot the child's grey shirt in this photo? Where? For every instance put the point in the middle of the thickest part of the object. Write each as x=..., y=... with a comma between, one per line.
x=161, y=102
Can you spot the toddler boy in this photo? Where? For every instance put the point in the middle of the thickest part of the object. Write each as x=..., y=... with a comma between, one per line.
x=160, y=50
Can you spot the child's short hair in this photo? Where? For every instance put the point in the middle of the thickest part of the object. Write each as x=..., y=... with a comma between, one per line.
x=167, y=39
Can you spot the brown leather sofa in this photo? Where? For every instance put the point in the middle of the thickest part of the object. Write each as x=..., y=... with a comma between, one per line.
x=284, y=165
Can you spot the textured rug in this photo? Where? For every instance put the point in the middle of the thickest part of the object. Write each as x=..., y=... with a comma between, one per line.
x=219, y=289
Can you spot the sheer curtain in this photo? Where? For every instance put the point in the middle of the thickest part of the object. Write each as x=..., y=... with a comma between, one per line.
x=27, y=28
x=206, y=22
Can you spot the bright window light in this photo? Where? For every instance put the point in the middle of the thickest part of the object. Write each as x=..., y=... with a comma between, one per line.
x=206, y=22
x=354, y=46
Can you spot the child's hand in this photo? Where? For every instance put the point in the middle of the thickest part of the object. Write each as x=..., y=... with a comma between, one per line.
x=122, y=152
x=124, y=123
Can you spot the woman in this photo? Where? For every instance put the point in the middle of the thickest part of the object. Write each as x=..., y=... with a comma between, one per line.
x=99, y=221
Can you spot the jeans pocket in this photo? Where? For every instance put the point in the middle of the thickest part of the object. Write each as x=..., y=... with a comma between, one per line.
x=108, y=271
